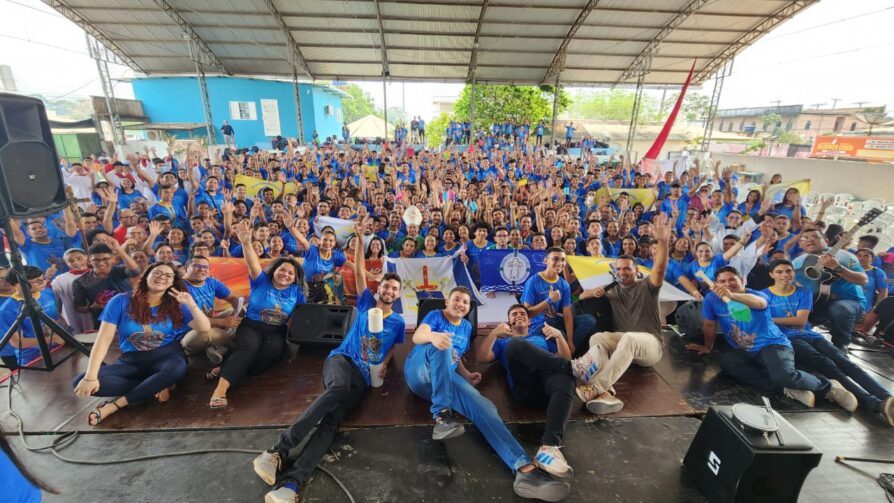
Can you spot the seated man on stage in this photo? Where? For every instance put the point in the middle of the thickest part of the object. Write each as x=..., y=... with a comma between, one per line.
x=346, y=377
x=845, y=306
x=205, y=288
x=547, y=296
x=434, y=371
x=761, y=356
x=542, y=374
x=790, y=307
x=637, y=324
x=148, y=322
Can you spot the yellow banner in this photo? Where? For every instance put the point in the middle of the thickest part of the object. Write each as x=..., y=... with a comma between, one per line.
x=253, y=186
x=776, y=192
x=644, y=196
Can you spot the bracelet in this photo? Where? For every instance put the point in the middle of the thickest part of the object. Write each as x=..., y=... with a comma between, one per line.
x=89, y=380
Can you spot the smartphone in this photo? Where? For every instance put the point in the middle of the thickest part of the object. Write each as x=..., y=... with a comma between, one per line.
x=473, y=206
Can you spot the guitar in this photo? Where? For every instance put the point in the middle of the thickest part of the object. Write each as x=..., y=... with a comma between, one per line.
x=811, y=274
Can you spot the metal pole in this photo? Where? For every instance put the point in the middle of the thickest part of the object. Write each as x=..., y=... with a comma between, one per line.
x=96, y=52
x=634, y=114
x=385, y=95
x=472, y=109
x=203, y=92
x=552, y=131
x=298, y=106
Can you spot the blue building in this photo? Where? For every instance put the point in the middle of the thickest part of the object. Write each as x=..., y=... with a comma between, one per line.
x=258, y=109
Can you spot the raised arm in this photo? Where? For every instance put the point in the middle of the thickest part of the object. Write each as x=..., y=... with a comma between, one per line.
x=243, y=232
x=359, y=259
x=662, y=233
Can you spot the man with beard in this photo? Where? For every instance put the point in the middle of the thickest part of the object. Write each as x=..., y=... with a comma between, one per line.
x=346, y=377
x=94, y=289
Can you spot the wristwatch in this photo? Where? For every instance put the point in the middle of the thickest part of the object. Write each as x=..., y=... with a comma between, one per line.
x=838, y=269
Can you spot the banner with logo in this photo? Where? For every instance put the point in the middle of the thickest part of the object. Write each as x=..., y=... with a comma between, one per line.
x=253, y=186
x=428, y=278
x=344, y=229
x=776, y=192
x=645, y=196
x=597, y=271
x=508, y=270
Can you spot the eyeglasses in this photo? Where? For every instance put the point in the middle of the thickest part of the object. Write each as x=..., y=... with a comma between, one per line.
x=159, y=274
x=200, y=267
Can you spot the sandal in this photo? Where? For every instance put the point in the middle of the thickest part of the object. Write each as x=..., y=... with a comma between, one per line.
x=96, y=416
x=219, y=402
x=212, y=374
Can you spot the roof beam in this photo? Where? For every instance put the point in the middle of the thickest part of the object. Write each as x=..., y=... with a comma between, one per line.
x=559, y=59
x=77, y=19
x=205, y=55
x=641, y=62
x=386, y=72
x=296, y=59
x=770, y=22
x=473, y=60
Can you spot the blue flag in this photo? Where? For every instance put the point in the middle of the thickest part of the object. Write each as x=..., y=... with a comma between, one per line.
x=508, y=270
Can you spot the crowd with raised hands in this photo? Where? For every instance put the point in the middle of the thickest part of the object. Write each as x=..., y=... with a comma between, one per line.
x=133, y=256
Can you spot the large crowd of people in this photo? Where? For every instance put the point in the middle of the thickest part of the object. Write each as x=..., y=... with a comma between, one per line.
x=131, y=260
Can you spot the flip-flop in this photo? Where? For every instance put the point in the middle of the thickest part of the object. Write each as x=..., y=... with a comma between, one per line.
x=95, y=413
x=218, y=403
x=212, y=374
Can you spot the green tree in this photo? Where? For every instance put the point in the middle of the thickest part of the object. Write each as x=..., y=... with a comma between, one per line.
x=614, y=104
x=435, y=130
x=695, y=106
x=359, y=105
x=499, y=103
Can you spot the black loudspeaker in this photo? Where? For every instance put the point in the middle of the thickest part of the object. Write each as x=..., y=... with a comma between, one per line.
x=426, y=305
x=30, y=179
x=320, y=323
x=730, y=464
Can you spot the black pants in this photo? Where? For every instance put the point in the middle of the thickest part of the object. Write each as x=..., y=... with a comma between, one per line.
x=345, y=387
x=10, y=362
x=885, y=312
x=257, y=346
x=542, y=380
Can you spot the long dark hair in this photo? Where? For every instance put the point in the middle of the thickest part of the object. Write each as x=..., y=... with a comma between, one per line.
x=139, y=308
x=7, y=450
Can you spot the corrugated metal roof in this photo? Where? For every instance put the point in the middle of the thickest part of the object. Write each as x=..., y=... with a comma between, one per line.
x=501, y=41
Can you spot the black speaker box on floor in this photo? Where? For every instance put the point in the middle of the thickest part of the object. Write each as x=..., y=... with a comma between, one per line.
x=426, y=305
x=30, y=179
x=730, y=464
x=320, y=323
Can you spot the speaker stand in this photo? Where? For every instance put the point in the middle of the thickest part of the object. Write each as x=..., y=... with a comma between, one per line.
x=32, y=310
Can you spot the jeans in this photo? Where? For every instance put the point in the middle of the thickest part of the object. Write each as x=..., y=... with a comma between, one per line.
x=429, y=376
x=584, y=326
x=841, y=315
x=816, y=354
x=137, y=375
x=257, y=346
x=345, y=388
x=542, y=379
x=771, y=369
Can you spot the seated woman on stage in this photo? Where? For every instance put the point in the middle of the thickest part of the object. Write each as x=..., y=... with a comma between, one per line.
x=790, y=306
x=434, y=370
x=261, y=337
x=149, y=321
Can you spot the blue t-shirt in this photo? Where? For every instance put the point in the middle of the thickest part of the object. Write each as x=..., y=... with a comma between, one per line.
x=43, y=255
x=785, y=306
x=360, y=347
x=537, y=290
x=269, y=304
x=840, y=289
x=9, y=310
x=204, y=295
x=877, y=281
x=501, y=345
x=134, y=336
x=710, y=269
x=315, y=264
x=752, y=334
x=16, y=487
x=462, y=335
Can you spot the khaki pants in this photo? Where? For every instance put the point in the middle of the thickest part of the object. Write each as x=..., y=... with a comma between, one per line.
x=195, y=342
x=618, y=350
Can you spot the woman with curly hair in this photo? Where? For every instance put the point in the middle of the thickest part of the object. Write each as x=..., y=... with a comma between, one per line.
x=149, y=321
x=260, y=340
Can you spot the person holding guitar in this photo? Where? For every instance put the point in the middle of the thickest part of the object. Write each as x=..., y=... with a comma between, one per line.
x=843, y=305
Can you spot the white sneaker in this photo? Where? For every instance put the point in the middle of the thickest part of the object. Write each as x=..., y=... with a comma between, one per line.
x=267, y=465
x=838, y=394
x=887, y=411
x=586, y=367
x=281, y=495
x=802, y=395
x=605, y=403
x=549, y=458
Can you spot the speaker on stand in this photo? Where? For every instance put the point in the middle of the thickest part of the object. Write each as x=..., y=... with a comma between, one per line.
x=31, y=185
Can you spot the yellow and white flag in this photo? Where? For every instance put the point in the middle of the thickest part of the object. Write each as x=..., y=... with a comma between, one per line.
x=776, y=192
x=593, y=272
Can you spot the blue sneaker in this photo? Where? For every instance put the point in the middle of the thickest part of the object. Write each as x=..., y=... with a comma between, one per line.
x=550, y=459
x=586, y=367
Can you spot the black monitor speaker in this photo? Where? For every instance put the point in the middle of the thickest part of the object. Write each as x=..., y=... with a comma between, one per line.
x=320, y=323
x=426, y=305
x=30, y=178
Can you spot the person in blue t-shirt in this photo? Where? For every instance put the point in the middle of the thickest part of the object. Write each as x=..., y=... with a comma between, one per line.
x=761, y=355
x=205, y=289
x=320, y=264
x=542, y=374
x=22, y=346
x=346, y=377
x=149, y=323
x=846, y=304
x=260, y=340
x=876, y=288
x=790, y=306
x=39, y=248
x=548, y=298
x=18, y=483
x=434, y=370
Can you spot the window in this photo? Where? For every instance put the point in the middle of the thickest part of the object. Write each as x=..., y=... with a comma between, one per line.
x=328, y=110
x=338, y=116
x=721, y=126
x=243, y=111
x=766, y=126
x=778, y=124
x=853, y=126
x=788, y=125
x=807, y=125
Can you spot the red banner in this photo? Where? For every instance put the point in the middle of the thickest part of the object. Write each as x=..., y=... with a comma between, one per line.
x=669, y=124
